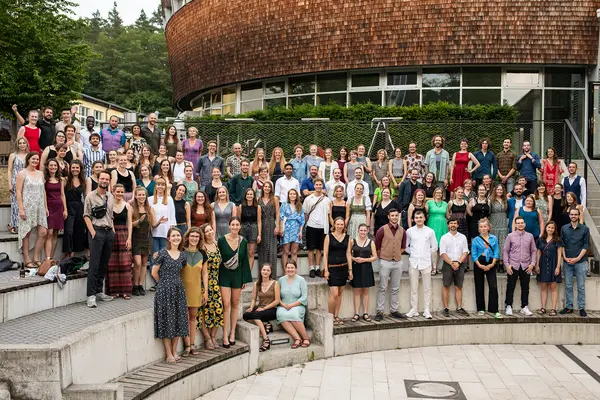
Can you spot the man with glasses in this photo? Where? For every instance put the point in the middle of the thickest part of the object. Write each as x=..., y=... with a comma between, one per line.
x=576, y=237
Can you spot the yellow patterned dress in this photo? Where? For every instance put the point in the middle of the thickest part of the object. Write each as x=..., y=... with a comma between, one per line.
x=211, y=314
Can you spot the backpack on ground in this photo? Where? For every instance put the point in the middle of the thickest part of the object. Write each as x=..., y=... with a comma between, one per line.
x=72, y=265
x=6, y=264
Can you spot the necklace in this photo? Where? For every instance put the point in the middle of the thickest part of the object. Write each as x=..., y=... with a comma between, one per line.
x=440, y=204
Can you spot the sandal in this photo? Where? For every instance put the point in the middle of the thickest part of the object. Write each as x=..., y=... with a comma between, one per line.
x=208, y=344
x=366, y=317
x=337, y=321
x=305, y=343
x=193, y=349
x=30, y=265
x=127, y=297
x=296, y=343
x=355, y=318
x=553, y=313
x=11, y=229
x=171, y=360
x=186, y=351
x=266, y=345
x=177, y=359
x=542, y=311
x=37, y=263
x=268, y=328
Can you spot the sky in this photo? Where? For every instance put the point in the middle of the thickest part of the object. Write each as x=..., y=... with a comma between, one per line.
x=128, y=9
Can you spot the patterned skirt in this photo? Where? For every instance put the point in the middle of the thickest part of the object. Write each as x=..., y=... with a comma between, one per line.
x=119, y=275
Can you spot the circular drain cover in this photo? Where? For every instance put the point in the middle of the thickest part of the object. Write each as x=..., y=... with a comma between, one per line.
x=434, y=389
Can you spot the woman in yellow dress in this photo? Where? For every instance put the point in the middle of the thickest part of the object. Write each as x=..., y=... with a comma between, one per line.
x=194, y=274
x=211, y=314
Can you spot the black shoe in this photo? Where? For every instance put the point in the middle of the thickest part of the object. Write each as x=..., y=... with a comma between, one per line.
x=462, y=311
x=318, y=272
x=134, y=291
x=566, y=311
x=141, y=290
x=398, y=315
x=379, y=317
x=446, y=312
x=312, y=273
x=582, y=313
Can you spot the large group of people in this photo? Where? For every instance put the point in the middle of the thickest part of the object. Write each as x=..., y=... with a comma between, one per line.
x=199, y=222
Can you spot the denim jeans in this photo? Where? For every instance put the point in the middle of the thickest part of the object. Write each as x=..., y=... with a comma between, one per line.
x=158, y=243
x=579, y=270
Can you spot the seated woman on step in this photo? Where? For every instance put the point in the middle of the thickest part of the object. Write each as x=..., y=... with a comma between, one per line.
x=292, y=308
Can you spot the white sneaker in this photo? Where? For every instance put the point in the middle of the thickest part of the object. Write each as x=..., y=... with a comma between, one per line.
x=508, y=310
x=104, y=297
x=412, y=313
x=91, y=301
x=525, y=310
x=427, y=314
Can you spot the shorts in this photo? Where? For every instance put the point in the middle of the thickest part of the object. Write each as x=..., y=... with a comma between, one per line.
x=250, y=231
x=314, y=238
x=450, y=276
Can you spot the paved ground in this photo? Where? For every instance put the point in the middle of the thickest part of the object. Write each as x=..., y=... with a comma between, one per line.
x=480, y=372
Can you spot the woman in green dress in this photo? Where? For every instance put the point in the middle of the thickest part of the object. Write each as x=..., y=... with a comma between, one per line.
x=294, y=299
x=210, y=315
x=234, y=273
x=437, y=208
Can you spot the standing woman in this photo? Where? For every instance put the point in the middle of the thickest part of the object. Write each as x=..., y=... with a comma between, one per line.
x=214, y=185
x=223, y=211
x=337, y=258
x=549, y=260
x=192, y=148
x=251, y=218
x=457, y=208
x=469, y=193
x=551, y=169
x=534, y=223
x=74, y=147
x=429, y=185
x=499, y=218
x=137, y=142
x=162, y=156
x=269, y=216
x=558, y=204
x=201, y=212
x=544, y=202
x=165, y=172
x=119, y=274
x=380, y=215
x=341, y=162
x=194, y=276
x=63, y=164
x=211, y=315
x=54, y=186
x=141, y=237
x=484, y=253
x=145, y=180
x=292, y=221
x=91, y=183
x=277, y=164
x=260, y=179
x=32, y=208
x=75, y=236
x=234, y=274
x=570, y=204
x=191, y=186
x=396, y=169
x=112, y=163
x=124, y=177
x=16, y=163
x=350, y=167
x=418, y=203
x=327, y=166
x=459, y=166
x=478, y=208
x=380, y=167
x=364, y=254
x=292, y=309
x=182, y=209
x=31, y=132
x=358, y=210
x=337, y=207
x=171, y=141
x=437, y=208
x=385, y=182
x=259, y=161
x=170, y=311
x=164, y=214
x=146, y=158
x=131, y=161
x=50, y=151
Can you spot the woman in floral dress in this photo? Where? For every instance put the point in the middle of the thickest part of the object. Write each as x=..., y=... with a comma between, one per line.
x=16, y=163
x=292, y=221
x=267, y=248
x=210, y=315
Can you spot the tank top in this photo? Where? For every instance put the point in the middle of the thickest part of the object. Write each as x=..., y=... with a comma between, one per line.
x=68, y=156
x=338, y=211
x=364, y=251
x=249, y=214
x=337, y=250
x=94, y=184
x=480, y=210
x=199, y=219
x=398, y=168
x=456, y=209
x=266, y=298
x=125, y=181
x=180, y=211
x=120, y=219
x=32, y=135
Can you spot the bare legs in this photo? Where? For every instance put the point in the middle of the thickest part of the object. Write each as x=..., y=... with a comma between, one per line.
x=251, y=249
x=291, y=249
x=39, y=244
x=457, y=296
x=553, y=293
x=189, y=340
x=171, y=349
x=50, y=242
x=139, y=269
x=231, y=301
x=295, y=329
x=358, y=293
x=335, y=299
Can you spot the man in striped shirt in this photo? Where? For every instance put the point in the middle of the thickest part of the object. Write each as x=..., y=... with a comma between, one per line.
x=92, y=154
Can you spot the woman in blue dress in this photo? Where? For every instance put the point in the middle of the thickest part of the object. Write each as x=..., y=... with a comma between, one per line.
x=291, y=229
x=549, y=261
x=294, y=299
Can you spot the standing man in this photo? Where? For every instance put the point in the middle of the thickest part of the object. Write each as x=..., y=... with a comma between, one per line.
x=98, y=216
x=405, y=193
x=316, y=215
x=576, y=184
x=335, y=182
x=420, y=244
x=151, y=132
x=46, y=125
x=506, y=160
x=519, y=257
x=527, y=165
x=239, y=183
x=454, y=250
x=368, y=167
x=113, y=138
x=285, y=183
x=488, y=165
x=312, y=158
x=65, y=119
x=358, y=178
x=390, y=242
x=514, y=203
x=86, y=133
x=576, y=237
x=437, y=161
x=233, y=163
x=92, y=154
x=308, y=185
x=207, y=163
x=299, y=164
x=414, y=160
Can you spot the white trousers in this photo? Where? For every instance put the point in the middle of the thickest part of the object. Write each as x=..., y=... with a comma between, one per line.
x=414, y=286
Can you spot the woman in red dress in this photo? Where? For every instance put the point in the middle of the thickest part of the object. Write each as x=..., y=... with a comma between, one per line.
x=31, y=132
x=459, y=167
x=551, y=170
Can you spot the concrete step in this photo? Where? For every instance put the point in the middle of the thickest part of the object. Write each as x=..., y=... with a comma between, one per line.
x=285, y=356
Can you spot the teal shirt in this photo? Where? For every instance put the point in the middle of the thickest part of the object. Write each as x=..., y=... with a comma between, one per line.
x=237, y=188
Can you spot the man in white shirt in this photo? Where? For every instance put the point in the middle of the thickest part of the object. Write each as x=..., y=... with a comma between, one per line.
x=316, y=215
x=336, y=181
x=358, y=176
x=420, y=244
x=285, y=183
x=85, y=133
x=454, y=250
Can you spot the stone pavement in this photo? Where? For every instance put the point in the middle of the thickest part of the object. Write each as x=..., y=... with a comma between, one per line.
x=463, y=372
x=48, y=326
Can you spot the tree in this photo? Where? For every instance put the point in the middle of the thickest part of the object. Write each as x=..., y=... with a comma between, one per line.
x=96, y=24
x=115, y=22
x=157, y=18
x=44, y=54
x=142, y=22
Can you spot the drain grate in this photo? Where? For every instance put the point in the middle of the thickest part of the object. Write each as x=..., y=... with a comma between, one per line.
x=434, y=390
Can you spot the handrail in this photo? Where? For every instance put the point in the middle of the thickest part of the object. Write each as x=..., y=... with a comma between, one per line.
x=587, y=162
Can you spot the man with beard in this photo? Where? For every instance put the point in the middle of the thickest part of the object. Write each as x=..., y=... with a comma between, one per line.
x=98, y=216
x=405, y=193
x=239, y=183
x=335, y=182
x=112, y=137
x=285, y=183
x=233, y=163
x=358, y=178
x=527, y=165
x=514, y=203
x=151, y=132
x=437, y=161
x=308, y=186
x=92, y=154
x=46, y=125
x=454, y=250
x=66, y=119
x=85, y=133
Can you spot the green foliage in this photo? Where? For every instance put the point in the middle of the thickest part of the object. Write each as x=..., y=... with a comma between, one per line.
x=44, y=54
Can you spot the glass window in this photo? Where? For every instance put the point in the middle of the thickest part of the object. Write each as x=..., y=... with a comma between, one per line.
x=275, y=88
x=252, y=91
x=299, y=100
x=229, y=95
x=523, y=78
x=527, y=101
x=401, y=78
x=99, y=115
x=401, y=98
x=251, y=106
x=332, y=82
x=302, y=84
x=564, y=77
x=229, y=109
x=448, y=95
x=441, y=77
x=365, y=97
x=482, y=76
x=481, y=96
x=365, y=80
x=275, y=102
x=206, y=101
x=336, y=98
x=216, y=97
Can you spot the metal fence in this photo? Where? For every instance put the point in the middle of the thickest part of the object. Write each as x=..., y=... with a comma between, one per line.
x=374, y=135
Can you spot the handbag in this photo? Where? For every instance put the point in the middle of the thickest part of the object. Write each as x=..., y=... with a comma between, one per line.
x=6, y=264
x=233, y=262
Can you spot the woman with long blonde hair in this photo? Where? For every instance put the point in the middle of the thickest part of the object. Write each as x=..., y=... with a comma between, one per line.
x=142, y=216
x=259, y=161
x=277, y=164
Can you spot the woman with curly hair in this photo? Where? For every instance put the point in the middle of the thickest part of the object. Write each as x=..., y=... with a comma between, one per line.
x=201, y=212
